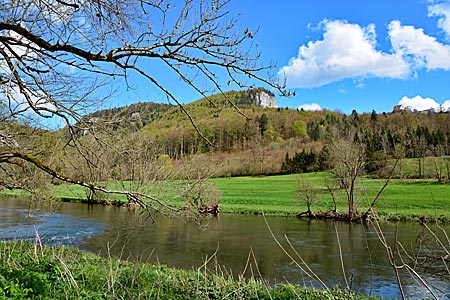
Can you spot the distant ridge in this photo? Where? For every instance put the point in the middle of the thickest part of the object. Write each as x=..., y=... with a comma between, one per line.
x=136, y=116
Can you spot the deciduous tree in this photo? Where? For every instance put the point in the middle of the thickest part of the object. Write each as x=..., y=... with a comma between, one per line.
x=58, y=58
x=347, y=159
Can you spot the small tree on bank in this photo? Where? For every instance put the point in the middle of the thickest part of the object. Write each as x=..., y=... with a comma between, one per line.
x=307, y=193
x=347, y=159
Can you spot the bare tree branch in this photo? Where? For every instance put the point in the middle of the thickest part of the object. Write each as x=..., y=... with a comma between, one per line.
x=59, y=59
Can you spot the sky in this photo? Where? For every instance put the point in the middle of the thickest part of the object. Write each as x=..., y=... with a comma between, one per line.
x=345, y=55
x=339, y=55
x=358, y=55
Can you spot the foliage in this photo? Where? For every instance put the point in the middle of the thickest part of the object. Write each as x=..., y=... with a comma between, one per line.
x=301, y=162
x=32, y=272
x=127, y=118
x=385, y=137
x=261, y=141
x=299, y=129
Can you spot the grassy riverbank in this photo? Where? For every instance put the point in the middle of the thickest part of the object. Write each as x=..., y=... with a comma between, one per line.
x=403, y=199
x=29, y=271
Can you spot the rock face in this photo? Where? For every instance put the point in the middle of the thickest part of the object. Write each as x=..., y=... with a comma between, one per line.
x=263, y=98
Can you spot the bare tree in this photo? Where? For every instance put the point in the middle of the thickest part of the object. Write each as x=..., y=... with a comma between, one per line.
x=347, y=160
x=332, y=185
x=59, y=58
x=420, y=260
x=307, y=192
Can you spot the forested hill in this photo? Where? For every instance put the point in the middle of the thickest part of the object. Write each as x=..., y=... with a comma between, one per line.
x=134, y=116
x=254, y=140
x=138, y=115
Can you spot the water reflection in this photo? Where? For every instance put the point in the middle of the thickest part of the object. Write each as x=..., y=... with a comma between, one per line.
x=129, y=234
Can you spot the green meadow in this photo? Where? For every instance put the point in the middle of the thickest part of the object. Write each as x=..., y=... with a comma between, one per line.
x=402, y=199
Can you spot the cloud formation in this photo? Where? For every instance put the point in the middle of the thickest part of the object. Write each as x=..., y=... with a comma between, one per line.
x=349, y=51
x=442, y=11
x=346, y=51
x=446, y=105
x=419, y=103
x=423, y=50
x=310, y=107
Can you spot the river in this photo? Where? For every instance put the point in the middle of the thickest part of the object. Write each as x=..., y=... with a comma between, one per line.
x=240, y=244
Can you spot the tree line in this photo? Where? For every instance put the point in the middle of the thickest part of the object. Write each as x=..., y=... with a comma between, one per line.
x=297, y=140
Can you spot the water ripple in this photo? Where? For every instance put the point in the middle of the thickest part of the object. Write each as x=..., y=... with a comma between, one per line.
x=50, y=228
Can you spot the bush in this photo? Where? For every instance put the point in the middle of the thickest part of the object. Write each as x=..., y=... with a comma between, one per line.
x=303, y=162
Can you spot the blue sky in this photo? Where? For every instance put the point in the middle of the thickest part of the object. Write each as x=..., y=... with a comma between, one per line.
x=362, y=55
x=343, y=55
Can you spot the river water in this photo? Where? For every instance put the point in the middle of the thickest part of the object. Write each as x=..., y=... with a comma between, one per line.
x=338, y=253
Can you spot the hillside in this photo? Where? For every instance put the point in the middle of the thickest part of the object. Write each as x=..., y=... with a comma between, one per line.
x=233, y=136
x=238, y=137
x=131, y=117
x=136, y=116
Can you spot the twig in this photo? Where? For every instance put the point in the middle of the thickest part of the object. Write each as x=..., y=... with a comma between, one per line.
x=341, y=257
x=313, y=276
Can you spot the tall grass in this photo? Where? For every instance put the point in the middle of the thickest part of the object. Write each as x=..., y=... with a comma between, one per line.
x=30, y=271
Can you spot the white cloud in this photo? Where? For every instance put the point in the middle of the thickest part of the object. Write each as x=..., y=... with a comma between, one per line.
x=17, y=101
x=310, y=107
x=419, y=103
x=349, y=51
x=442, y=11
x=346, y=51
x=423, y=50
x=446, y=105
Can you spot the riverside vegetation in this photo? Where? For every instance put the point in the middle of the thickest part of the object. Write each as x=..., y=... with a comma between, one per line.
x=30, y=271
x=252, y=167
x=146, y=144
x=406, y=199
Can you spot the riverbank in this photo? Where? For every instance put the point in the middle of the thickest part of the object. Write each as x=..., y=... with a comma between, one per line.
x=402, y=200
x=31, y=271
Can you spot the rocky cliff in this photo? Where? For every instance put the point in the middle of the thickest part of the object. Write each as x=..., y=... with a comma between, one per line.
x=263, y=98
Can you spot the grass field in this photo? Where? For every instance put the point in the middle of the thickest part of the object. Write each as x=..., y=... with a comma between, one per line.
x=402, y=199
x=276, y=194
